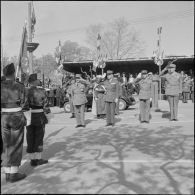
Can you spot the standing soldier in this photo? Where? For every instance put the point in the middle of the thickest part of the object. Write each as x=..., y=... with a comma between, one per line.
x=145, y=94
x=38, y=103
x=12, y=123
x=69, y=89
x=78, y=91
x=112, y=97
x=186, y=89
x=173, y=89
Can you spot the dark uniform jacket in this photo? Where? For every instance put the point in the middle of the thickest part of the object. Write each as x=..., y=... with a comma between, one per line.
x=112, y=90
x=145, y=86
x=173, y=83
x=37, y=99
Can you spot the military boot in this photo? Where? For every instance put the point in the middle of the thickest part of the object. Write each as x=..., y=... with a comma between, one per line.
x=16, y=177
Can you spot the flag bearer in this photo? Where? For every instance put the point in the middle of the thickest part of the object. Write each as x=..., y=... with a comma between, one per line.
x=12, y=123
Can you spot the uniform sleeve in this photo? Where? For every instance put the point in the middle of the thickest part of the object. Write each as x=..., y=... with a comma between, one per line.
x=117, y=90
x=46, y=108
x=180, y=84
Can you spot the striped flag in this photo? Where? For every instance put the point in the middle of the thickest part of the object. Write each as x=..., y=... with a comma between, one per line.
x=23, y=59
x=33, y=20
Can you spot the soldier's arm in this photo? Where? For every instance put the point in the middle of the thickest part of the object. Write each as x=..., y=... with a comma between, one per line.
x=46, y=108
x=180, y=84
x=117, y=90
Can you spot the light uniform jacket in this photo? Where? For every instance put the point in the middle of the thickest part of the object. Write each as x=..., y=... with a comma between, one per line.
x=173, y=83
x=145, y=86
x=112, y=90
x=186, y=85
x=78, y=93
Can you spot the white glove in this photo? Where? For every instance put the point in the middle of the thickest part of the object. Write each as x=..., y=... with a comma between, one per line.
x=139, y=75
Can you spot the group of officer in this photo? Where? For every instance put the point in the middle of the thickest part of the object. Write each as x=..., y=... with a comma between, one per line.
x=16, y=102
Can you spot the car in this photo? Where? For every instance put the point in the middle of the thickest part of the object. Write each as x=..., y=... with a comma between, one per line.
x=125, y=100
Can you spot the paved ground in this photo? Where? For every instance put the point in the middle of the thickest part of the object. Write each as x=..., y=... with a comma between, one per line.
x=155, y=158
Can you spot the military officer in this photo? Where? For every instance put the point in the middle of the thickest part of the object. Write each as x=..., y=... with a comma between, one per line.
x=78, y=93
x=112, y=97
x=186, y=89
x=37, y=102
x=69, y=89
x=12, y=123
x=145, y=94
x=173, y=89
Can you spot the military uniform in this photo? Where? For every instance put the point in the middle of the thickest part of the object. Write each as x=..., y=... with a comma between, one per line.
x=69, y=89
x=172, y=90
x=112, y=93
x=155, y=91
x=12, y=124
x=100, y=102
x=37, y=102
x=79, y=100
x=186, y=90
x=145, y=93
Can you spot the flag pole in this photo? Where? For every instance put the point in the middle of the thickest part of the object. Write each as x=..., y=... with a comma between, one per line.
x=30, y=36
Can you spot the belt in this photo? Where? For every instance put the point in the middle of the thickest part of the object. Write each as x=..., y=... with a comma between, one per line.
x=36, y=110
x=11, y=109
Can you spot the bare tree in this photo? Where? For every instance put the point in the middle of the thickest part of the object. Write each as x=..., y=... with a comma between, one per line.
x=118, y=40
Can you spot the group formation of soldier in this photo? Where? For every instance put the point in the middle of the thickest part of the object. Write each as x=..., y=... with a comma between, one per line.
x=16, y=100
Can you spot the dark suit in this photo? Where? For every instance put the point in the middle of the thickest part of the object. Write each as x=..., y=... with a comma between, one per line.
x=12, y=123
x=37, y=101
x=112, y=92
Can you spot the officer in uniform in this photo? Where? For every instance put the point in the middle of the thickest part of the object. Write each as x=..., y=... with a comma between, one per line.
x=186, y=89
x=72, y=82
x=37, y=102
x=173, y=89
x=12, y=123
x=145, y=94
x=112, y=97
x=78, y=93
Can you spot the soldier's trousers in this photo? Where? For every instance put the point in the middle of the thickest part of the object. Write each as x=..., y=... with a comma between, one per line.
x=34, y=138
x=144, y=109
x=72, y=110
x=12, y=127
x=117, y=108
x=110, y=112
x=185, y=97
x=80, y=114
x=173, y=104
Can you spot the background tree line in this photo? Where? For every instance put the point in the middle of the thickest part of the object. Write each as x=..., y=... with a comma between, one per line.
x=119, y=40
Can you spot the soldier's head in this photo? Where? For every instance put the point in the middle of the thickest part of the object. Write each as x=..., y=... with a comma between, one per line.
x=110, y=74
x=33, y=81
x=171, y=68
x=144, y=73
x=9, y=71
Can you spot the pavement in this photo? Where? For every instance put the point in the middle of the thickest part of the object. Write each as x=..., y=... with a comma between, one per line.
x=129, y=158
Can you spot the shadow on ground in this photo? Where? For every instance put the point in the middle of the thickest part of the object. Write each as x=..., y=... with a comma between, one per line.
x=95, y=161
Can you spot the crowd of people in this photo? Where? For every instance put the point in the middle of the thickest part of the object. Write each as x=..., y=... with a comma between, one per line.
x=17, y=101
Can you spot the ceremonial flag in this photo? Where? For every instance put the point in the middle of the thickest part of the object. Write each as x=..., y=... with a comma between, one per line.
x=59, y=57
x=23, y=59
x=33, y=20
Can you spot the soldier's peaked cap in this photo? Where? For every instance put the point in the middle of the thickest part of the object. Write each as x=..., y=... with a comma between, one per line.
x=172, y=66
x=9, y=70
x=78, y=75
x=32, y=78
x=144, y=72
x=109, y=72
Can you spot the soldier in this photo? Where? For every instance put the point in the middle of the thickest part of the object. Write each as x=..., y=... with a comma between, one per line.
x=112, y=97
x=145, y=94
x=78, y=91
x=72, y=110
x=173, y=89
x=12, y=123
x=37, y=101
x=58, y=95
x=186, y=89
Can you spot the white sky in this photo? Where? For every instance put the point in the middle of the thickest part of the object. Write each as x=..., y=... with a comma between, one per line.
x=58, y=21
